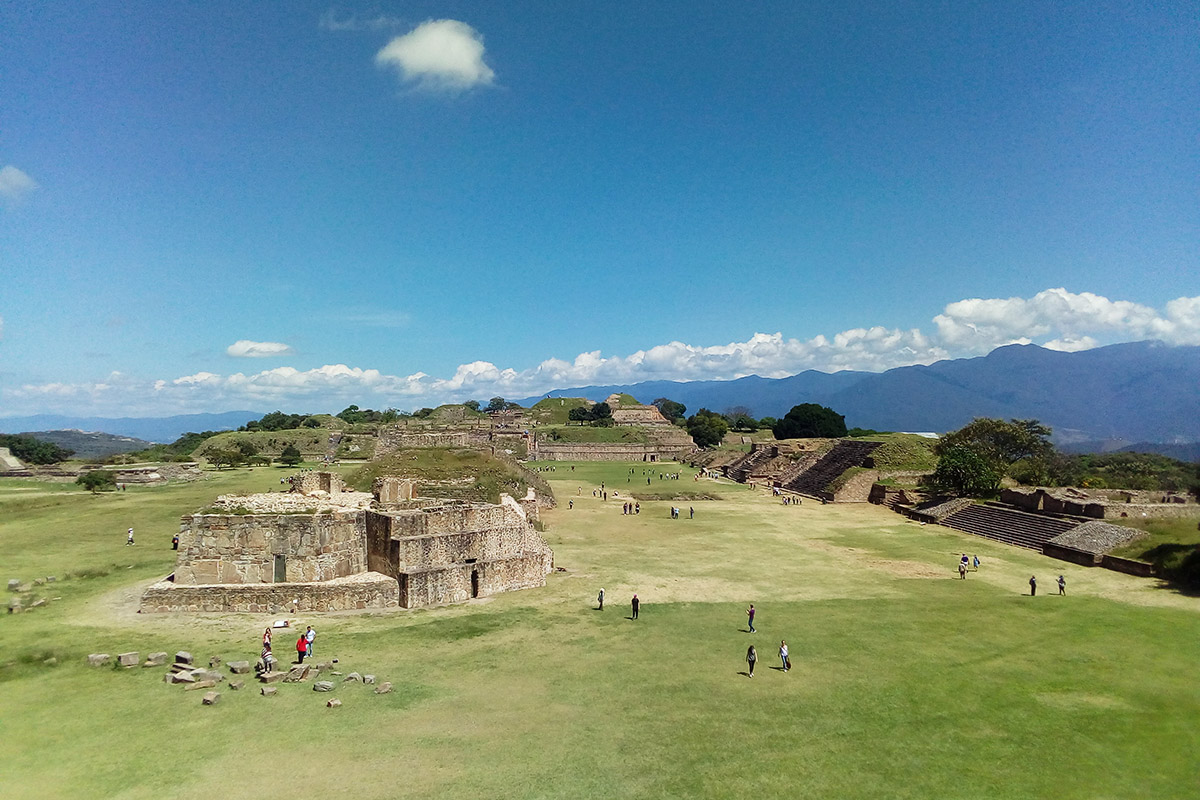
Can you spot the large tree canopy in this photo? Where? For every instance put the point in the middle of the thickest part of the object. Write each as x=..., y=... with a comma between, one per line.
x=960, y=470
x=1001, y=444
x=809, y=421
x=34, y=451
x=669, y=408
x=707, y=428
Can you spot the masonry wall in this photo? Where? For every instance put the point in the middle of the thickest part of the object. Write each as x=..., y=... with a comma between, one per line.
x=237, y=549
x=368, y=590
x=453, y=583
x=610, y=452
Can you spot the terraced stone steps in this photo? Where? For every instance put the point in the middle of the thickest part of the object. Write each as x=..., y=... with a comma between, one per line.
x=842, y=457
x=1008, y=525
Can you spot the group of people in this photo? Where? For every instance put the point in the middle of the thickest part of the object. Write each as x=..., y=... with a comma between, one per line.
x=1062, y=585
x=635, y=604
x=631, y=508
x=675, y=512
x=962, y=566
x=752, y=652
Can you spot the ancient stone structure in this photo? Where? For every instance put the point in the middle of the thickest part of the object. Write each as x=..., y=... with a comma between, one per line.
x=322, y=548
x=1103, y=504
x=9, y=462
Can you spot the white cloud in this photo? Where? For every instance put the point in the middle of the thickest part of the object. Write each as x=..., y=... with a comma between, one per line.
x=244, y=348
x=331, y=22
x=1055, y=318
x=438, y=55
x=15, y=184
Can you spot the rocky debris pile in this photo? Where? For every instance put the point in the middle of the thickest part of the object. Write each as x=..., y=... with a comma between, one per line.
x=1097, y=537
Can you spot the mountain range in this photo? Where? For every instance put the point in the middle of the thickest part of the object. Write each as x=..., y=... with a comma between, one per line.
x=153, y=429
x=1132, y=392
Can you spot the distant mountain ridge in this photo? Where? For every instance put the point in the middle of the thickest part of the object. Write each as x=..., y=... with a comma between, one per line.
x=1137, y=391
x=153, y=429
x=90, y=444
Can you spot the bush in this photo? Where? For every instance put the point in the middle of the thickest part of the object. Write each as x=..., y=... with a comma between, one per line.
x=810, y=421
x=98, y=480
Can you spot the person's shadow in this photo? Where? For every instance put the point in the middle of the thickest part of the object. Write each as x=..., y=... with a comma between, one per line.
x=777, y=669
x=743, y=672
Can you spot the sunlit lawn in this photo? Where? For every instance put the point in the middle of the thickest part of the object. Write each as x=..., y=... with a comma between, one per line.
x=906, y=683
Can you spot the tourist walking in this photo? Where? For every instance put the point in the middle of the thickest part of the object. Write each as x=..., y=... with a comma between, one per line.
x=309, y=636
x=1033, y=586
x=750, y=618
x=636, y=604
x=783, y=655
x=1062, y=585
x=175, y=542
x=129, y=540
x=975, y=559
x=962, y=571
x=600, y=599
x=751, y=659
x=301, y=648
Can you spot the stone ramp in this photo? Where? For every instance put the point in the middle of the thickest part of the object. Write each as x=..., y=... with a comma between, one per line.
x=843, y=456
x=743, y=467
x=1008, y=525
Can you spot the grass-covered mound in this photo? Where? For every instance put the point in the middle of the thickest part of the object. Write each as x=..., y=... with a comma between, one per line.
x=309, y=441
x=555, y=410
x=904, y=452
x=588, y=433
x=449, y=472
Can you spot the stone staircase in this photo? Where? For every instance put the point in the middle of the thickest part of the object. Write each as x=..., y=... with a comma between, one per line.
x=1008, y=525
x=843, y=456
x=741, y=468
x=335, y=439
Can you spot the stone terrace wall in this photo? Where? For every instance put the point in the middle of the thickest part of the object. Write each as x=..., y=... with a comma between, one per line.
x=309, y=482
x=234, y=549
x=638, y=415
x=583, y=451
x=368, y=590
x=452, y=584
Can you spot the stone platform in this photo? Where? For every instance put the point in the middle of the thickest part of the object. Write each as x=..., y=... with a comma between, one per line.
x=364, y=590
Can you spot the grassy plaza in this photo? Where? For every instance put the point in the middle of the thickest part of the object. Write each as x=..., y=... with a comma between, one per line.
x=906, y=683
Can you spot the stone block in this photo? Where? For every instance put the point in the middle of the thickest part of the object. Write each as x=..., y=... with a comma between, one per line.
x=211, y=698
x=214, y=662
x=41, y=601
x=236, y=685
x=51, y=661
x=155, y=660
x=51, y=578
x=239, y=667
x=98, y=659
x=272, y=677
x=183, y=657
x=323, y=686
x=368, y=679
x=14, y=605
x=268, y=691
x=180, y=677
x=384, y=688
x=298, y=673
x=205, y=684
x=207, y=675
x=354, y=677
x=334, y=703
x=14, y=584
x=128, y=659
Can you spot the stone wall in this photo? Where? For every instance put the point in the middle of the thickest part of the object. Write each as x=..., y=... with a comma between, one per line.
x=1152, y=511
x=638, y=415
x=313, y=482
x=587, y=451
x=1106, y=504
x=367, y=590
x=241, y=549
x=459, y=582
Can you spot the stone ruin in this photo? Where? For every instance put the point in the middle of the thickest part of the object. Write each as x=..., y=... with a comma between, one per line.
x=330, y=549
x=1103, y=503
x=634, y=414
x=9, y=462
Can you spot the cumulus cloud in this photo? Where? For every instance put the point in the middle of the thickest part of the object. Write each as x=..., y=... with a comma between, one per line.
x=15, y=185
x=1056, y=319
x=244, y=348
x=438, y=55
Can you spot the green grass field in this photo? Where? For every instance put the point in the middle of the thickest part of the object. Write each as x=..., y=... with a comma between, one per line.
x=906, y=682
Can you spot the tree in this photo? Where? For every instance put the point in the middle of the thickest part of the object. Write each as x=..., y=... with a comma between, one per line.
x=352, y=414
x=1001, y=444
x=963, y=471
x=97, y=480
x=220, y=456
x=580, y=414
x=496, y=404
x=422, y=413
x=669, y=408
x=707, y=428
x=601, y=411
x=472, y=405
x=809, y=421
x=290, y=456
x=247, y=448
x=34, y=451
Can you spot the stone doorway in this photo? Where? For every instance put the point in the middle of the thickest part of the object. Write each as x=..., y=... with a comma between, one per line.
x=280, y=568
x=474, y=583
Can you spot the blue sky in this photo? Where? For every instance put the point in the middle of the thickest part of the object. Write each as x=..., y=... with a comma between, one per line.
x=208, y=205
